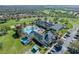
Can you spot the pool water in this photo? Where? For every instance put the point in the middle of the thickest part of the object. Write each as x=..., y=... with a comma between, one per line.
x=29, y=29
x=25, y=40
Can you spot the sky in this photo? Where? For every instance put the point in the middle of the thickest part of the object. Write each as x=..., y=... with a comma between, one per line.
x=39, y=2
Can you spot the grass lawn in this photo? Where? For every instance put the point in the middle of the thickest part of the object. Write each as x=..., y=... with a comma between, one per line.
x=11, y=45
x=43, y=50
x=46, y=11
x=62, y=32
x=76, y=21
x=13, y=22
x=69, y=26
x=14, y=46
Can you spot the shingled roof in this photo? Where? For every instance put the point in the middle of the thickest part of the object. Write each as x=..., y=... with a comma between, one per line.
x=44, y=24
x=48, y=25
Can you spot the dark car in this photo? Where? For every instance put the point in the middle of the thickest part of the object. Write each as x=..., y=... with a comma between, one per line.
x=57, y=48
x=75, y=37
x=64, y=36
x=67, y=35
x=68, y=32
x=73, y=50
x=50, y=52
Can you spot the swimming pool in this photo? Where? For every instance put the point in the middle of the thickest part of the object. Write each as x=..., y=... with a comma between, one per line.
x=25, y=40
x=29, y=29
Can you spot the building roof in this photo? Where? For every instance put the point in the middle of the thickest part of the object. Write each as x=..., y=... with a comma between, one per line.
x=29, y=29
x=3, y=32
x=44, y=24
x=48, y=25
x=37, y=35
x=44, y=39
x=57, y=26
x=49, y=37
x=34, y=49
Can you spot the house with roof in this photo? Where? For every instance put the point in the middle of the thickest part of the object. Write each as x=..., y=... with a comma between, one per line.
x=43, y=39
x=37, y=38
x=49, y=25
x=35, y=49
x=3, y=20
x=57, y=27
x=39, y=34
x=43, y=24
x=3, y=32
x=31, y=31
x=49, y=37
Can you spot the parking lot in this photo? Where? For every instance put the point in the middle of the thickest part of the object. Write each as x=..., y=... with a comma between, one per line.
x=68, y=37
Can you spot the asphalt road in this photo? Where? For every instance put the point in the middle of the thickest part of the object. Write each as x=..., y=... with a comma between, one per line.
x=67, y=40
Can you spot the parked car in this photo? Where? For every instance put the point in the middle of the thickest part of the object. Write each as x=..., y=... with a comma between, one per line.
x=67, y=35
x=53, y=50
x=2, y=33
x=57, y=47
x=50, y=52
x=68, y=32
x=76, y=37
